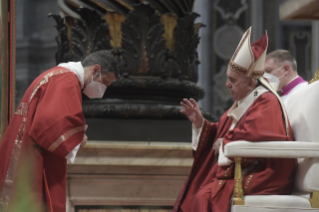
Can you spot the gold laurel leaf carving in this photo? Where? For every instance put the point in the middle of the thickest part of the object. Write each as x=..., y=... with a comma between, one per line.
x=114, y=21
x=170, y=22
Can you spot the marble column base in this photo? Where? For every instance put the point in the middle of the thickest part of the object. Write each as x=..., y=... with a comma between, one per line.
x=128, y=174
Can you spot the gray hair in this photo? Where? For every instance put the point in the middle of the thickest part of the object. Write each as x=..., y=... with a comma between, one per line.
x=281, y=56
x=105, y=59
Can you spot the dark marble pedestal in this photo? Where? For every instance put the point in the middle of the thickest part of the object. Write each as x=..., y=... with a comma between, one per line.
x=139, y=130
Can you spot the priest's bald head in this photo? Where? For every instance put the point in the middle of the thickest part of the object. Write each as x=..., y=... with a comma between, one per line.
x=246, y=66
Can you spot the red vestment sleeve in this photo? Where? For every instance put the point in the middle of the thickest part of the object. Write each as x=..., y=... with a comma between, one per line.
x=58, y=124
x=207, y=136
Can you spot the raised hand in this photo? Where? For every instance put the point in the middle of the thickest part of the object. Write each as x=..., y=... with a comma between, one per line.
x=191, y=110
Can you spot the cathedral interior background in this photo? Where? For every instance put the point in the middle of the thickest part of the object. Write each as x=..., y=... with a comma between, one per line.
x=139, y=153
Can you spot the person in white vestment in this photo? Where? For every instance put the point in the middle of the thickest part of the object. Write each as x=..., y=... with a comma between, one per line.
x=283, y=65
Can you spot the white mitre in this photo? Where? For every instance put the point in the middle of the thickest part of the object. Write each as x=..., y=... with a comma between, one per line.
x=249, y=60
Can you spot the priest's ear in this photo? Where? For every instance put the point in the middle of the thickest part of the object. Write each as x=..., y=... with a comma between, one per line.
x=96, y=70
x=251, y=84
x=287, y=69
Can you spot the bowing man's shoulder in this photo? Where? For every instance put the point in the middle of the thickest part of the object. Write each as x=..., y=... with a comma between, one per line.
x=68, y=79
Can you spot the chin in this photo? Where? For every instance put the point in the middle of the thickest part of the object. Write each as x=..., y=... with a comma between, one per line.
x=236, y=98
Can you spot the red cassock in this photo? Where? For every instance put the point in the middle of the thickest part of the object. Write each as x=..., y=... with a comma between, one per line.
x=46, y=126
x=209, y=187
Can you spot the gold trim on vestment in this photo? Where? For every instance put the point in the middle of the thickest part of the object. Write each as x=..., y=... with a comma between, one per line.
x=267, y=85
x=65, y=137
x=22, y=109
x=46, y=79
x=14, y=156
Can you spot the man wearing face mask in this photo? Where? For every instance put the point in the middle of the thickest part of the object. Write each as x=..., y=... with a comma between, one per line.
x=46, y=132
x=283, y=66
x=257, y=114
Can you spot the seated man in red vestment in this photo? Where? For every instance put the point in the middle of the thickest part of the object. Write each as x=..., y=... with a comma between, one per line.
x=46, y=131
x=257, y=114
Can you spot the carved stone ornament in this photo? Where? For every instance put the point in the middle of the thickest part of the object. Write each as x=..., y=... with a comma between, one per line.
x=156, y=51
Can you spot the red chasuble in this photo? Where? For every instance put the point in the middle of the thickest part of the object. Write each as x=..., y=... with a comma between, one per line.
x=46, y=126
x=209, y=187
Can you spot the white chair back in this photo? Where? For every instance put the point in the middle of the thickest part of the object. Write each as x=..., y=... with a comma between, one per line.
x=303, y=114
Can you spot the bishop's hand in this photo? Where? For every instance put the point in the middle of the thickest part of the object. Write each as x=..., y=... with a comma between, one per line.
x=191, y=110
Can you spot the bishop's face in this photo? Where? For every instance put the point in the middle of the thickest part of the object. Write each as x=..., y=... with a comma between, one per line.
x=238, y=85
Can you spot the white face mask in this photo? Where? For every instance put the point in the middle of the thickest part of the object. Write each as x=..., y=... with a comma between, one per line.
x=278, y=70
x=273, y=80
x=95, y=90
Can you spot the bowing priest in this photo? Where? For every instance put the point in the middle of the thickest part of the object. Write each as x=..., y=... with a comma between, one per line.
x=46, y=131
x=257, y=114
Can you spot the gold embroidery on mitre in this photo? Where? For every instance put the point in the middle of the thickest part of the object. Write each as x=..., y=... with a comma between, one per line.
x=257, y=74
x=237, y=68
